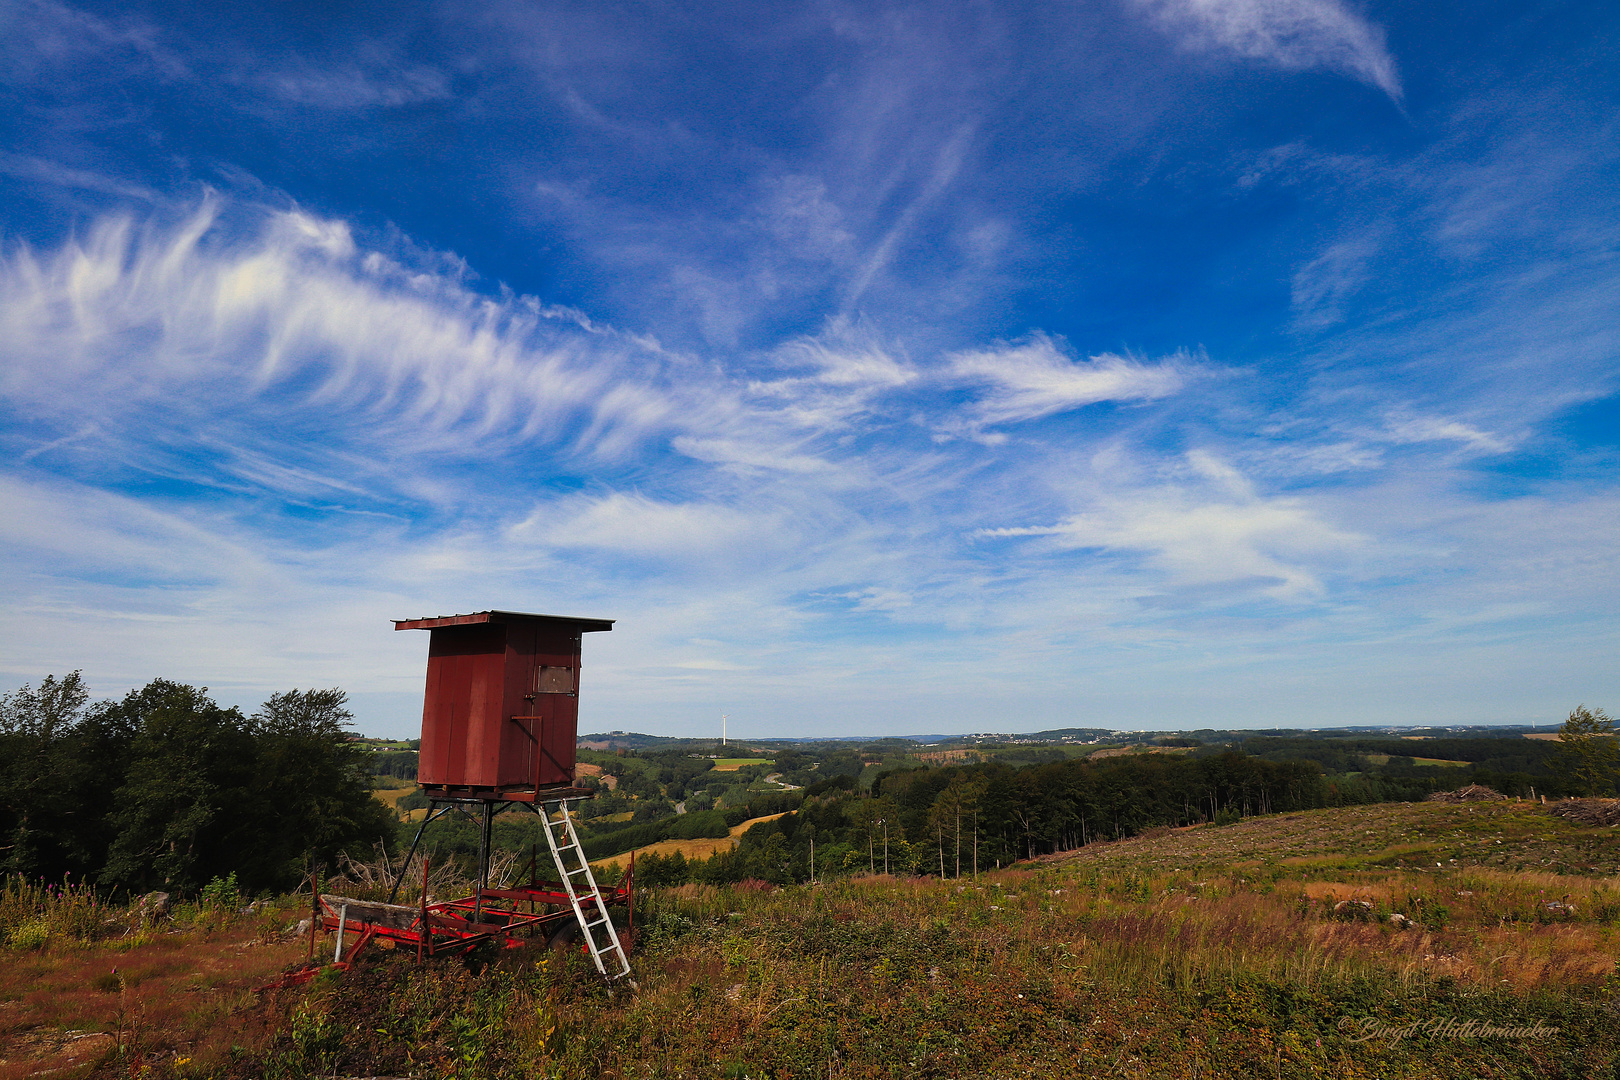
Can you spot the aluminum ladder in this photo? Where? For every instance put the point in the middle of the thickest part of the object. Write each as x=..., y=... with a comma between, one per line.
x=601, y=939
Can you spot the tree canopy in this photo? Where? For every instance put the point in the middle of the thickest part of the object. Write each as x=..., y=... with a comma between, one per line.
x=1589, y=750
x=165, y=788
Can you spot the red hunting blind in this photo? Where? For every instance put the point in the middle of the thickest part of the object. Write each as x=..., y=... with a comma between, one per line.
x=500, y=717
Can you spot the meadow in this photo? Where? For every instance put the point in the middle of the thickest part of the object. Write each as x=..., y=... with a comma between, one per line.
x=1399, y=940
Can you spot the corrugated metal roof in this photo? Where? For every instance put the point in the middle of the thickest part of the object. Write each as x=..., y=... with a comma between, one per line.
x=584, y=626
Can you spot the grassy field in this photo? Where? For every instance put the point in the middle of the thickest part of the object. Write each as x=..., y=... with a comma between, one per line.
x=161, y=996
x=692, y=849
x=1383, y=759
x=732, y=764
x=1394, y=941
x=390, y=796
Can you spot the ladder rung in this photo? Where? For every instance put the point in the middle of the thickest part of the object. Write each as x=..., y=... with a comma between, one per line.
x=590, y=909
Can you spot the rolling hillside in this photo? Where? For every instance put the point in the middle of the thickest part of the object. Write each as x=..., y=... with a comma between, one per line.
x=1374, y=941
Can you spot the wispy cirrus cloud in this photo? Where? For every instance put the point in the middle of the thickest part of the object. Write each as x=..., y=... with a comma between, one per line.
x=1293, y=34
x=1209, y=528
x=353, y=87
x=1036, y=378
x=209, y=311
x=1408, y=428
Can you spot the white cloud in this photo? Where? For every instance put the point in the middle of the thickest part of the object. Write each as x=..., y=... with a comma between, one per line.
x=351, y=87
x=829, y=380
x=752, y=455
x=1293, y=34
x=1036, y=379
x=1420, y=429
x=799, y=214
x=830, y=557
x=629, y=524
x=1322, y=286
x=1220, y=531
x=209, y=316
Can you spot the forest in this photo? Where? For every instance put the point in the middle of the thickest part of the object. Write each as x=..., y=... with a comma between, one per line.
x=164, y=789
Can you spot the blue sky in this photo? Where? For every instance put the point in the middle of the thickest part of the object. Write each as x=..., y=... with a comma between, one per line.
x=881, y=368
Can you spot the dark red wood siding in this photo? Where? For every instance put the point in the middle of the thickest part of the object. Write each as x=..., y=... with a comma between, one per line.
x=501, y=708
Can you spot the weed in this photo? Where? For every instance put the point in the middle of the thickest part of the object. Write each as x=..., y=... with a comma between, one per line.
x=32, y=913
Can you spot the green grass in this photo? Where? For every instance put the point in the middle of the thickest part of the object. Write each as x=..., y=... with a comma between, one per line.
x=1260, y=949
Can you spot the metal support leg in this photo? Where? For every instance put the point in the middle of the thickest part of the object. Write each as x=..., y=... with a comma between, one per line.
x=431, y=816
x=483, y=862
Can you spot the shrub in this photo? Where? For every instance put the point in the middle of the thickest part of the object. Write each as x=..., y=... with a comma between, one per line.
x=221, y=894
x=30, y=935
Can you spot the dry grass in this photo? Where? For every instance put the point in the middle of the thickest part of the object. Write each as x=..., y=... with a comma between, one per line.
x=691, y=849
x=1241, y=951
x=585, y=768
x=390, y=796
x=1430, y=838
x=150, y=997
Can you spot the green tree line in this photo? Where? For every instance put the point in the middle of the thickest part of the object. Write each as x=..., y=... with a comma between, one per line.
x=166, y=789
x=968, y=818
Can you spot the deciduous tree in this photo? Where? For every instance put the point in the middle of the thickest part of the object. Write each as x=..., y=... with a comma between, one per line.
x=1590, y=751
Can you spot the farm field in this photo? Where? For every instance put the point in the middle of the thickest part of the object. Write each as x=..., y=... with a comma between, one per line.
x=735, y=763
x=1316, y=944
x=691, y=849
x=1383, y=759
x=390, y=797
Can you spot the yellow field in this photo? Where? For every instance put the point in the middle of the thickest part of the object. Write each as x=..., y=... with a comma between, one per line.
x=1383, y=759
x=391, y=796
x=585, y=768
x=1543, y=735
x=732, y=764
x=692, y=849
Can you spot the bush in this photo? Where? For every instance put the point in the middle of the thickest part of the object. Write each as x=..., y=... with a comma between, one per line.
x=221, y=894
x=30, y=935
